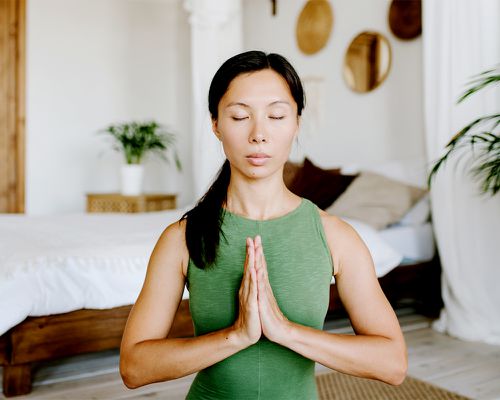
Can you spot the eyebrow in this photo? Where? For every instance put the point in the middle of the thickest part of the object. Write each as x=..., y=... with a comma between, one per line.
x=237, y=103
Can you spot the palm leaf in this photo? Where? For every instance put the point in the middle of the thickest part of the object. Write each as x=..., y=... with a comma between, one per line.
x=482, y=80
x=485, y=145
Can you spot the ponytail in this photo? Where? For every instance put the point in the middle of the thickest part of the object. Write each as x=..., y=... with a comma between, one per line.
x=204, y=221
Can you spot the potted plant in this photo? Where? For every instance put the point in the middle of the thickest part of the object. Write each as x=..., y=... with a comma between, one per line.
x=136, y=140
x=485, y=144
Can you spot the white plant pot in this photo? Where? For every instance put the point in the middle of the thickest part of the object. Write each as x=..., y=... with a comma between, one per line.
x=131, y=179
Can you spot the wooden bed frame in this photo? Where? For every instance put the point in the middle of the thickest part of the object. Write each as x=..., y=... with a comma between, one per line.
x=39, y=339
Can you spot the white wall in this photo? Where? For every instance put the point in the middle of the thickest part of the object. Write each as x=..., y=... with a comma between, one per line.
x=95, y=62
x=385, y=124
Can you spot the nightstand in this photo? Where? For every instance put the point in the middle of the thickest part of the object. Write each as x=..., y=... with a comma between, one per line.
x=116, y=202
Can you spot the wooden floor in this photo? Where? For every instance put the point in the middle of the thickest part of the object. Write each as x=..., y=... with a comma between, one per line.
x=469, y=368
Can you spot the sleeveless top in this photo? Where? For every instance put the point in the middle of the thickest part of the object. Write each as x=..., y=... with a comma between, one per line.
x=300, y=269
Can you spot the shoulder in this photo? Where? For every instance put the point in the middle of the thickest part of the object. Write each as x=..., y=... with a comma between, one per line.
x=172, y=243
x=175, y=231
x=341, y=237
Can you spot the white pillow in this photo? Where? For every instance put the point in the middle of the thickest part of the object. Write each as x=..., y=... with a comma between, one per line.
x=417, y=215
x=384, y=256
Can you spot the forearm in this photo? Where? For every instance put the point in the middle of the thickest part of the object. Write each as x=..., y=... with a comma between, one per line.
x=166, y=359
x=373, y=357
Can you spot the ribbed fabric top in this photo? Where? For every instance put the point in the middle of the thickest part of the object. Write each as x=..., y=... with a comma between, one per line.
x=300, y=269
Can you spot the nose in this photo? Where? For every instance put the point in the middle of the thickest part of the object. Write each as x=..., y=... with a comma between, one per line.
x=258, y=138
x=257, y=134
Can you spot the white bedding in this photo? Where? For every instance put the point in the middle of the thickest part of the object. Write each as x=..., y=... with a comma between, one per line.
x=414, y=242
x=61, y=263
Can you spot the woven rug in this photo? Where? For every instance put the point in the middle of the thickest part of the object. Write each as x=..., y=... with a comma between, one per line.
x=334, y=385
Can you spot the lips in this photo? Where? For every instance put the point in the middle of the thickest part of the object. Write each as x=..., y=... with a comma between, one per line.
x=257, y=159
x=258, y=155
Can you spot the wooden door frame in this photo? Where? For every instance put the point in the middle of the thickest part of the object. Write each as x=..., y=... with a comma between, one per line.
x=21, y=105
x=15, y=103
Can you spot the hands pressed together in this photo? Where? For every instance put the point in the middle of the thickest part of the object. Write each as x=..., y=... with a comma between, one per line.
x=258, y=310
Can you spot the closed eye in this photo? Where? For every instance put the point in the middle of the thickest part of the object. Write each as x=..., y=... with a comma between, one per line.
x=239, y=119
x=277, y=117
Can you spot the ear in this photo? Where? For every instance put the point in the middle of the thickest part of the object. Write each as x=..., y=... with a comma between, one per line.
x=216, y=130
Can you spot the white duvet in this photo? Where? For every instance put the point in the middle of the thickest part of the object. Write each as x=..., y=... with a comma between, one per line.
x=61, y=263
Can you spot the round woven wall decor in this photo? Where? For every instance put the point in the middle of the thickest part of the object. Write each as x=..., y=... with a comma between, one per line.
x=314, y=26
x=405, y=18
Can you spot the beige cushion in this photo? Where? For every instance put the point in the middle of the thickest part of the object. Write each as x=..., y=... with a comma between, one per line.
x=376, y=200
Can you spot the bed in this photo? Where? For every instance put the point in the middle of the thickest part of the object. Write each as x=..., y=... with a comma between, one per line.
x=67, y=282
x=70, y=290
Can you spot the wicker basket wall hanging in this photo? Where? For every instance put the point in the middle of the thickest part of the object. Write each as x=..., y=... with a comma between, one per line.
x=405, y=18
x=314, y=26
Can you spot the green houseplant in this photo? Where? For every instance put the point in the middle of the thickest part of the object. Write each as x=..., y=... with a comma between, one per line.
x=482, y=135
x=135, y=140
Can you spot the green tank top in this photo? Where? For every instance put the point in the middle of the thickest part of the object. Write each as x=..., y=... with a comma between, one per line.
x=300, y=268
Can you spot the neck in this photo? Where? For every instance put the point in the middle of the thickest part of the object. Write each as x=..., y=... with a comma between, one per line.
x=259, y=199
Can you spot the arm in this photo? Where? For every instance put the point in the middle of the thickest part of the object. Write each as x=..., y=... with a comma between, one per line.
x=146, y=355
x=378, y=350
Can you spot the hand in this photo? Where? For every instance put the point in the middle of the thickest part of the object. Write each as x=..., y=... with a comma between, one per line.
x=247, y=325
x=274, y=323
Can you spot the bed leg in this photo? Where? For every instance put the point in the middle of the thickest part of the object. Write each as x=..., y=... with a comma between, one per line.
x=16, y=379
x=432, y=302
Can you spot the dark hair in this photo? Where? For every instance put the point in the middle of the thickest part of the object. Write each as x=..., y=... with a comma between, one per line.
x=204, y=221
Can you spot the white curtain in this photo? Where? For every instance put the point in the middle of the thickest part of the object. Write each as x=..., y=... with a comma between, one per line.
x=461, y=38
x=216, y=35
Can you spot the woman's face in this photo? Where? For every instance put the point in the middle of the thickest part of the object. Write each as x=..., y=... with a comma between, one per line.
x=257, y=123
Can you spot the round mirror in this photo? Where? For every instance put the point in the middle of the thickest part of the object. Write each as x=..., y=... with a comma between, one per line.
x=405, y=18
x=367, y=61
x=314, y=26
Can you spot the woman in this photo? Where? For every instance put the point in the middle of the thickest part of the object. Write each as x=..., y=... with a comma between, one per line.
x=258, y=262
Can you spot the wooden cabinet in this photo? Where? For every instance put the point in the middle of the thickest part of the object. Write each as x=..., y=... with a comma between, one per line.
x=115, y=202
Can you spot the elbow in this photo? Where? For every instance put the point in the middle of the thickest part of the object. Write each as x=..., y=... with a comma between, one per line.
x=135, y=374
x=129, y=372
x=397, y=374
x=397, y=377
x=129, y=378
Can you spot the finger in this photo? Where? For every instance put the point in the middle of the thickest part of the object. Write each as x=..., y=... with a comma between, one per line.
x=245, y=265
x=260, y=262
x=248, y=240
x=259, y=250
x=251, y=262
x=246, y=272
x=263, y=265
x=253, y=284
x=263, y=273
x=251, y=253
x=257, y=264
x=258, y=242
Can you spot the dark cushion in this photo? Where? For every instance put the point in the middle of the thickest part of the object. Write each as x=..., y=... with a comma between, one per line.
x=321, y=186
x=290, y=171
